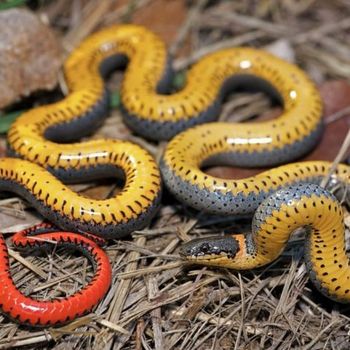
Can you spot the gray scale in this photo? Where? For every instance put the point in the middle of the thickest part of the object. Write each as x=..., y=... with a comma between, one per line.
x=211, y=202
x=88, y=173
x=284, y=196
x=221, y=203
x=110, y=231
x=165, y=130
x=268, y=158
x=160, y=130
x=86, y=124
x=80, y=126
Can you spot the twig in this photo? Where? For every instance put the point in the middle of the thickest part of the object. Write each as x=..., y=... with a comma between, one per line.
x=253, y=22
x=37, y=270
x=182, y=63
x=186, y=26
x=113, y=326
x=156, y=314
x=328, y=28
x=343, y=149
x=319, y=335
x=240, y=329
x=337, y=115
x=149, y=270
x=116, y=305
x=76, y=34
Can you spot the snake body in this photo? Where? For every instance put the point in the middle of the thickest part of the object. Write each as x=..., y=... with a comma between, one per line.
x=154, y=114
x=43, y=137
x=33, y=312
x=129, y=210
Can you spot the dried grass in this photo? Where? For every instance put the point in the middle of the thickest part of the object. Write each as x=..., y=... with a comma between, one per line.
x=156, y=302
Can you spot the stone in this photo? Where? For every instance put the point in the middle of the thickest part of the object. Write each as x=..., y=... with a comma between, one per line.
x=30, y=55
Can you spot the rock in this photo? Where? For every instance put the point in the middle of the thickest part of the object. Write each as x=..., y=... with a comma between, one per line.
x=29, y=55
x=282, y=49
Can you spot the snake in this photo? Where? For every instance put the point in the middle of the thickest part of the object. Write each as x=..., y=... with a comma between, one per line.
x=37, y=313
x=46, y=155
x=45, y=138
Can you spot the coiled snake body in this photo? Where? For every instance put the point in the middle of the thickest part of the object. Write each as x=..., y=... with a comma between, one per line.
x=151, y=111
x=33, y=312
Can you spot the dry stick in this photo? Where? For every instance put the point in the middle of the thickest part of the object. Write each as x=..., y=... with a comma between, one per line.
x=301, y=38
x=298, y=327
x=319, y=335
x=329, y=60
x=332, y=45
x=113, y=326
x=25, y=342
x=185, y=28
x=37, y=270
x=343, y=149
x=11, y=333
x=156, y=314
x=17, y=213
x=221, y=321
x=252, y=22
x=161, y=277
x=209, y=334
x=115, y=16
x=182, y=63
x=240, y=329
x=139, y=331
x=149, y=270
x=121, y=293
x=171, y=296
x=280, y=308
x=320, y=310
x=75, y=35
x=337, y=115
x=21, y=276
x=57, y=280
x=13, y=200
x=240, y=108
x=319, y=32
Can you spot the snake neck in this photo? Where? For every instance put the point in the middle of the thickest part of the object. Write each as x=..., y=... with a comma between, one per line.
x=303, y=205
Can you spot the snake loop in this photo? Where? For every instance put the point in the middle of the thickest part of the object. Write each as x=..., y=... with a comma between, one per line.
x=27, y=310
x=154, y=113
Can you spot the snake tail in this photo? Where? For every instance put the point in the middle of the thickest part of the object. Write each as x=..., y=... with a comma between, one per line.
x=37, y=313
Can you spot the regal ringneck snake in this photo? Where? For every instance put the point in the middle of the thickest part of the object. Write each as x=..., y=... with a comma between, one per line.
x=33, y=312
x=151, y=111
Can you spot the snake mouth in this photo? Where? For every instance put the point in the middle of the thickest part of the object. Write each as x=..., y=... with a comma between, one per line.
x=210, y=247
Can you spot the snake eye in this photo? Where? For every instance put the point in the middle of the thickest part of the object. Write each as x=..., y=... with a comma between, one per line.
x=205, y=247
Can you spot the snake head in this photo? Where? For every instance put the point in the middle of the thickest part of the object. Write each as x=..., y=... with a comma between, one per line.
x=210, y=250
